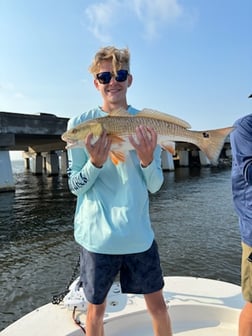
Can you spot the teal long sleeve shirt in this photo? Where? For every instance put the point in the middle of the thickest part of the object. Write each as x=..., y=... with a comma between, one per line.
x=112, y=210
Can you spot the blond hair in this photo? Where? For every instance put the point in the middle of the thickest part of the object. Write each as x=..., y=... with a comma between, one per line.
x=120, y=59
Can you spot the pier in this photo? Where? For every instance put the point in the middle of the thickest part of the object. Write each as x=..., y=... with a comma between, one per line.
x=38, y=136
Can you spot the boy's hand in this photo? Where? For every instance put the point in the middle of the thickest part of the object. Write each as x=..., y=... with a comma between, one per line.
x=145, y=144
x=99, y=150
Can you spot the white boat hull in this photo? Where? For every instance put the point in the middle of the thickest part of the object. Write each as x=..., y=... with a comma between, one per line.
x=196, y=306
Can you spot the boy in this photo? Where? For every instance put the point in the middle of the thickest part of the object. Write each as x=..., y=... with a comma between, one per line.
x=112, y=222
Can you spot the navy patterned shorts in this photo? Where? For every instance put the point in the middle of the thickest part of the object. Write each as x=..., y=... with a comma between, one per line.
x=140, y=273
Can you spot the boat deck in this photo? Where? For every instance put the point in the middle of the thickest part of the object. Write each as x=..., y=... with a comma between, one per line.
x=197, y=307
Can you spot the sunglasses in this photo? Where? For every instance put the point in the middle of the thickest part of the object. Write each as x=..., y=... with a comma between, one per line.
x=105, y=77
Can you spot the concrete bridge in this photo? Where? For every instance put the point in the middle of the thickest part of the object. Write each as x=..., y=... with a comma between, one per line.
x=39, y=137
x=31, y=132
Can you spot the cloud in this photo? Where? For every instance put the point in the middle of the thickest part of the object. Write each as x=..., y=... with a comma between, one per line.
x=151, y=14
x=101, y=17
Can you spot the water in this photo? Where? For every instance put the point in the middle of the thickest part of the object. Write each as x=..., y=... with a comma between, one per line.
x=193, y=218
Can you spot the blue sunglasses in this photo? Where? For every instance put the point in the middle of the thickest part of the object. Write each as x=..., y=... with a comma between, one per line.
x=105, y=77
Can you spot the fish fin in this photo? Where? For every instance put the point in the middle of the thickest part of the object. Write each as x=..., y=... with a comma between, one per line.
x=115, y=139
x=169, y=147
x=149, y=113
x=116, y=157
x=211, y=142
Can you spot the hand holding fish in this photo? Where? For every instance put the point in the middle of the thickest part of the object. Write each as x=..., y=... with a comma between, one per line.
x=99, y=150
x=145, y=145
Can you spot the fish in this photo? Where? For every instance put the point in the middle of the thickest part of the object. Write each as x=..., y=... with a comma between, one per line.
x=119, y=125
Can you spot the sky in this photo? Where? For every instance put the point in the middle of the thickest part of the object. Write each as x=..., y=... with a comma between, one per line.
x=189, y=58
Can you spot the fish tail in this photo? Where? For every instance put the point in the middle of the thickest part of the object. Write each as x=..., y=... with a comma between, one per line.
x=211, y=142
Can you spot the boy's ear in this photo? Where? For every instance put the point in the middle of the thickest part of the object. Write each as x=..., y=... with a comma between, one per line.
x=96, y=84
x=130, y=80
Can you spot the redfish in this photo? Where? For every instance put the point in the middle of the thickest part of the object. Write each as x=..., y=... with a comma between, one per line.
x=119, y=125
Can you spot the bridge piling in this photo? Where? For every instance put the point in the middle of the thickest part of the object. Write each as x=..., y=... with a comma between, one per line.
x=52, y=164
x=183, y=158
x=37, y=164
x=6, y=178
x=64, y=163
x=167, y=161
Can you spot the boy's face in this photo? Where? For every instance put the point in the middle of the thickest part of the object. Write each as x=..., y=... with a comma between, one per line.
x=114, y=92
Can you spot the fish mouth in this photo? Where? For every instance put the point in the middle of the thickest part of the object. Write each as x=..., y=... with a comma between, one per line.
x=66, y=139
x=70, y=141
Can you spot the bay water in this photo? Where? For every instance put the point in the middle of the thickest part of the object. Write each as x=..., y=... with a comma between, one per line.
x=193, y=218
